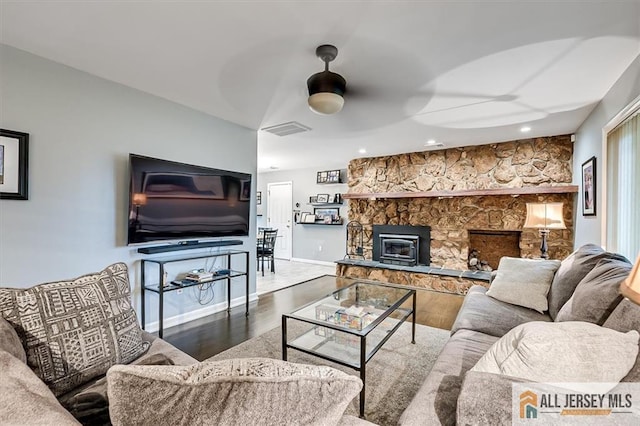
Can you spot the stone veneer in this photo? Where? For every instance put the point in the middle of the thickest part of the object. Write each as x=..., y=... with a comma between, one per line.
x=533, y=162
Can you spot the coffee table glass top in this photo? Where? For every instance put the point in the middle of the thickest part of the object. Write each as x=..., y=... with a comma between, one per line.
x=349, y=324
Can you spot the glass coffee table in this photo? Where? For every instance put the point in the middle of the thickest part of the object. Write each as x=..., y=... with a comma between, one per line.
x=350, y=325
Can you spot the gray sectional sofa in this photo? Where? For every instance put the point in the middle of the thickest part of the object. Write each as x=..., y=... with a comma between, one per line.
x=452, y=394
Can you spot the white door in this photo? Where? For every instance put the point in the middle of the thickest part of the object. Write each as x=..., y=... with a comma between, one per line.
x=279, y=212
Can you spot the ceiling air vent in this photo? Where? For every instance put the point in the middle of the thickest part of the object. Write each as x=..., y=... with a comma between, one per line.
x=286, y=129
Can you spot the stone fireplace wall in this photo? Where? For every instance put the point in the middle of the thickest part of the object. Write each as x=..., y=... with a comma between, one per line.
x=525, y=163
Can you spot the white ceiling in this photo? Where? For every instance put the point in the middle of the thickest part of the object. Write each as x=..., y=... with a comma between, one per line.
x=462, y=73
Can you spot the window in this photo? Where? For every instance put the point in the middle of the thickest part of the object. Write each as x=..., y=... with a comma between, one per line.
x=623, y=187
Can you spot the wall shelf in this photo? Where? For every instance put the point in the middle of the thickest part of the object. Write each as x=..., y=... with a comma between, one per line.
x=324, y=204
x=564, y=189
x=320, y=223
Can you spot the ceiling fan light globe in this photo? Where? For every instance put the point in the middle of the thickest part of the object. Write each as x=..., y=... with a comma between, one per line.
x=326, y=103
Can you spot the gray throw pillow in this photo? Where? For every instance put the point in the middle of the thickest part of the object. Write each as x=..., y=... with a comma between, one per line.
x=523, y=282
x=597, y=294
x=236, y=391
x=583, y=356
x=75, y=330
x=10, y=342
x=572, y=270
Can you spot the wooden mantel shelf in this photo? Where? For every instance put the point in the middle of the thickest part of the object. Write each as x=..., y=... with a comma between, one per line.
x=564, y=189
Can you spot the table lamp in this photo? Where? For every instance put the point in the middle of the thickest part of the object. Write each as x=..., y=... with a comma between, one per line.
x=545, y=217
x=630, y=288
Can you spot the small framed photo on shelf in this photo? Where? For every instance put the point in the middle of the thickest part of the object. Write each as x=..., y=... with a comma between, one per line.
x=313, y=199
x=308, y=217
x=322, y=198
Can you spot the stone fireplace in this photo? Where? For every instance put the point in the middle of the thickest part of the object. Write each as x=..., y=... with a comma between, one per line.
x=471, y=198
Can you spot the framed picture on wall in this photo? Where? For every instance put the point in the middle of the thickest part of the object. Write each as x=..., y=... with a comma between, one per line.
x=589, y=187
x=14, y=163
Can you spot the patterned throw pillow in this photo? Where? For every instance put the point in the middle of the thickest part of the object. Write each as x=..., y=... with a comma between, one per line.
x=75, y=330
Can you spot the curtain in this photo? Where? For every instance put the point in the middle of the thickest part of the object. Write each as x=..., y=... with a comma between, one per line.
x=623, y=188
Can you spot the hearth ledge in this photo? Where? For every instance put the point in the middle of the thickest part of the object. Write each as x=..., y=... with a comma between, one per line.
x=420, y=269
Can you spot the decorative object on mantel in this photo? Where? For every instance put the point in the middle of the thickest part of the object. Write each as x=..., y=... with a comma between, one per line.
x=544, y=216
x=589, y=187
x=259, y=197
x=14, y=165
x=328, y=176
x=355, y=248
x=559, y=189
x=630, y=288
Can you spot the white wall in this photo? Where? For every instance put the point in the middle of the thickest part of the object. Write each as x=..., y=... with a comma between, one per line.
x=324, y=243
x=82, y=129
x=589, y=144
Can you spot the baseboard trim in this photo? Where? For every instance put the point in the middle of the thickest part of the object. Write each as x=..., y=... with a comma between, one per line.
x=198, y=313
x=315, y=262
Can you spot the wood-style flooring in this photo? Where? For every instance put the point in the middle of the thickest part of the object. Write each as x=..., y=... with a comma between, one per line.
x=211, y=335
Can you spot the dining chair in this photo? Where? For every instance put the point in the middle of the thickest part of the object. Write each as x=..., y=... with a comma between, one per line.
x=266, y=248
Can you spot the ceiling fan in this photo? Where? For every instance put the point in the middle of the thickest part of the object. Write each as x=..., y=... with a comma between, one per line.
x=326, y=88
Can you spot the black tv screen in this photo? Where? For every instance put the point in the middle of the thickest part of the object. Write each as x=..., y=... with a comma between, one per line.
x=176, y=201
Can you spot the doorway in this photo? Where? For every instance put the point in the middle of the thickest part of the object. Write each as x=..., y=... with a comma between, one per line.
x=279, y=212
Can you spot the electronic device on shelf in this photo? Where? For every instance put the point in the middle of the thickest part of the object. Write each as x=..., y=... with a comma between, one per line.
x=199, y=276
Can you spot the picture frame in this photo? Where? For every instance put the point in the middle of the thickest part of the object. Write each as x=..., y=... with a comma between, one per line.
x=258, y=197
x=313, y=199
x=323, y=198
x=322, y=213
x=308, y=217
x=328, y=176
x=589, y=192
x=245, y=190
x=14, y=165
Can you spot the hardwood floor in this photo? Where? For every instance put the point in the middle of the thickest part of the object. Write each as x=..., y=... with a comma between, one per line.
x=211, y=335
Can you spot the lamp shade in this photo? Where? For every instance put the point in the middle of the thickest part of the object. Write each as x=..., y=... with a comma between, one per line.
x=630, y=288
x=326, y=103
x=544, y=216
x=326, y=90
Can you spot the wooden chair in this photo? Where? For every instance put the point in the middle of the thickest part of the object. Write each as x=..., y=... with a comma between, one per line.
x=266, y=248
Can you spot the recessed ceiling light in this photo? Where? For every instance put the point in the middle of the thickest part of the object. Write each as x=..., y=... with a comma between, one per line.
x=431, y=142
x=362, y=151
x=525, y=129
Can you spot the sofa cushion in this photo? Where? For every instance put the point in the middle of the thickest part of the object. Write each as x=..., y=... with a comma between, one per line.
x=572, y=270
x=234, y=391
x=26, y=400
x=524, y=282
x=75, y=330
x=10, y=342
x=571, y=353
x=435, y=401
x=625, y=317
x=597, y=294
x=485, y=314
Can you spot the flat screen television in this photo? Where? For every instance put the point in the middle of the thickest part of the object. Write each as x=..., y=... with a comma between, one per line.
x=176, y=201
